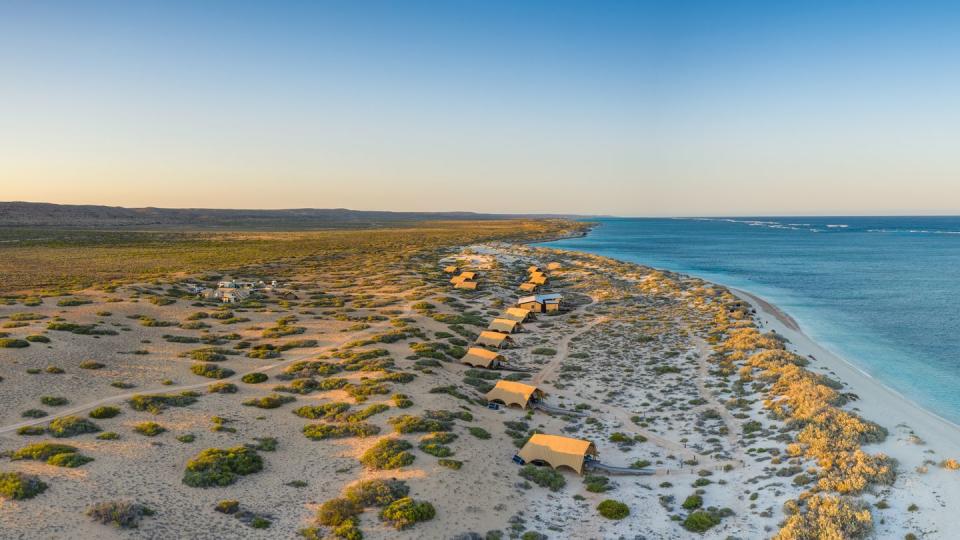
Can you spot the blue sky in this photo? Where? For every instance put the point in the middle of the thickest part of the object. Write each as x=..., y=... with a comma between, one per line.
x=629, y=108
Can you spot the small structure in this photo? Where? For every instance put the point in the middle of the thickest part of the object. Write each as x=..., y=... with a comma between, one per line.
x=452, y=269
x=539, y=279
x=227, y=295
x=533, y=269
x=554, y=266
x=480, y=357
x=466, y=284
x=529, y=287
x=504, y=325
x=557, y=451
x=514, y=393
x=540, y=303
x=494, y=339
x=517, y=314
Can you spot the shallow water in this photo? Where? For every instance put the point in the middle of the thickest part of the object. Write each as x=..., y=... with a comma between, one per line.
x=882, y=292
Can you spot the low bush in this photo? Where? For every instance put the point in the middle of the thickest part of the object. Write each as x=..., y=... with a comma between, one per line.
x=700, y=521
x=326, y=410
x=612, y=509
x=91, y=364
x=104, y=412
x=149, y=429
x=450, y=464
x=18, y=486
x=221, y=467
x=402, y=401
x=406, y=423
x=404, y=513
x=269, y=402
x=13, y=343
x=227, y=507
x=211, y=371
x=319, y=432
x=597, y=484
x=70, y=426
x=254, y=378
x=388, y=454
x=337, y=511
x=156, y=403
x=54, y=401
x=122, y=514
x=33, y=413
x=71, y=460
x=42, y=451
x=543, y=476
x=376, y=492
x=222, y=388
x=479, y=432
x=36, y=338
x=692, y=502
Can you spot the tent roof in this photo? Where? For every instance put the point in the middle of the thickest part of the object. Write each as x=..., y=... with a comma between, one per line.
x=517, y=314
x=511, y=392
x=490, y=334
x=509, y=324
x=557, y=450
x=466, y=284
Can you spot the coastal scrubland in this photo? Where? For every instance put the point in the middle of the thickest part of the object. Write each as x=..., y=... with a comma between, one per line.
x=335, y=406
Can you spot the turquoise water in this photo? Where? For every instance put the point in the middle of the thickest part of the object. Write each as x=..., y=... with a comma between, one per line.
x=882, y=292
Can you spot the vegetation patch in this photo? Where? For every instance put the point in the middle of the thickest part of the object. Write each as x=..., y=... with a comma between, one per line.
x=18, y=486
x=388, y=454
x=121, y=514
x=612, y=509
x=406, y=512
x=543, y=477
x=221, y=466
x=71, y=426
x=156, y=403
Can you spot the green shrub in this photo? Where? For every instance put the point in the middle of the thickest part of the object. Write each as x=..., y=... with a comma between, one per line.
x=544, y=351
x=388, y=454
x=254, y=378
x=150, y=429
x=434, y=444
x=13, y=343
x=108, y=436
x=227, y=507
x=42, y=451
x=376, y=492
x=543, y=476
x=104, y=412
x=269, y=402
x=31, y=430
x=36, y=338
x=700, y=521
x=156, y=403
x=122, y=514
x=18, y=486
x=318, y=432
x=71, y=460
x=211, y=371
x=259, y=522
x=450, y=464
x=187, y=438
x=597, y=484
x=402, y=401
x=91, y=364
x=33, y=413
x=327, y=410
x=406, y=423
x=479, y=432
x=404, y=513
x=53, y=401
x=70, y=426
x=337, y=511
x=222, y=388
x=693, y=502
x=221, y=467
x=612, y=509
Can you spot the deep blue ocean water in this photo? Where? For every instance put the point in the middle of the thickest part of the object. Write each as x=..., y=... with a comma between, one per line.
x=882, y=292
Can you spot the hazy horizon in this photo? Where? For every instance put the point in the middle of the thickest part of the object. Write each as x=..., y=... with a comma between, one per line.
x=627, y=109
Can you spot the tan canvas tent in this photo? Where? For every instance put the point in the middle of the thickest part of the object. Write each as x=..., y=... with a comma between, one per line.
x=557, y=451
x=533, y=269
x=452, y=269
x=517, y=314
x=504, y=325
x=480, y=357
x=514, y=393
x=466, y=284
x=468, y=275
x=528, y=287
x=494, y=339
x=457, y=279
x=553, y=266
x=538, y=280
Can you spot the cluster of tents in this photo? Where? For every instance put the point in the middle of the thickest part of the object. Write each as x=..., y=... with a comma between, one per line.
x=536, y=278
x=463, y=280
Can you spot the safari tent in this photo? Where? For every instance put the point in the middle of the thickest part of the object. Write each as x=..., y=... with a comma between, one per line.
x=504, y=325
x=452, y=269
x=517, y=314
x=466, y=284
x=480, y=357
x=514, y=393
x=533, y=269
x=457, y=279
x=554, y=266
x=540, y=303
x=538, y=280
x=494, y=339
x=468, y=275
x=557, y=451
x=528, y=287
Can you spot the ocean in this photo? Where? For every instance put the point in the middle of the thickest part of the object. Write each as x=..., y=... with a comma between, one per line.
x=881, y=292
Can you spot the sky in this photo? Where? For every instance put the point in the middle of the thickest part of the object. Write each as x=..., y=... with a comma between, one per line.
x=635, y=108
